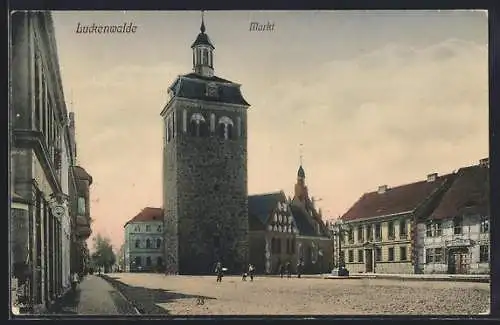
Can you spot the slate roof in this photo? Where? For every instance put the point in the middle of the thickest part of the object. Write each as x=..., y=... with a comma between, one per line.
x=469, y=193
x=260, y=206
x=193, y=86
x=147, y=214
x=202, y=39
x=395, y=200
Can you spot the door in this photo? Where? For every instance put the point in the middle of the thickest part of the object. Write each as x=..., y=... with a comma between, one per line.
x=451, y=262
x=368, y=260
x=461, y=263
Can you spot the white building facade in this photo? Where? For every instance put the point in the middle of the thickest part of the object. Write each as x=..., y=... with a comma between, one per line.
x=455, y=239
x=144, y=247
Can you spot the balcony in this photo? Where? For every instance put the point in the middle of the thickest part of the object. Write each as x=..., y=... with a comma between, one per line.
x=83, y=232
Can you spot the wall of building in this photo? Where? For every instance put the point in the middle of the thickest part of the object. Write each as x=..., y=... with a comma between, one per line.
x=211, y=202
x=470, y=231
x=139, y=231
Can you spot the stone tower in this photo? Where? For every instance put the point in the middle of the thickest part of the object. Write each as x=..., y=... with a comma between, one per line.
x=205, y=169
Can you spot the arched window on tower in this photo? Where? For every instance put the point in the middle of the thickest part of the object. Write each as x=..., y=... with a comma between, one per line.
x=148, y=243
x=158, y=243
x=198, y=125
x=212, y=123
x=184, y=121
x=225, y=128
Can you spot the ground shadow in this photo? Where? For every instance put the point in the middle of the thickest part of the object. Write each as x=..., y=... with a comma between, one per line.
x=66, y=305
x=145, y=299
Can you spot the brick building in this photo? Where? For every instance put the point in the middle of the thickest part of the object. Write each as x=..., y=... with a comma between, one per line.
x=42, y=156
x=143, y=249
x=288, y=230
x=205, y=169
x=380, y=229
x=455, y=238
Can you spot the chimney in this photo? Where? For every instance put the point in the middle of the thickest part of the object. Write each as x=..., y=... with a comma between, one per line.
x=432, y=177
x=382, y=189
x=485, y=162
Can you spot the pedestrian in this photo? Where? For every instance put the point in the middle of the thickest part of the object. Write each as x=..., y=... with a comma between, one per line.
x=288, y=270
x=251, y=271
x=299, y=268
x=245, y=274
x=74, y=281
x=282, y=270
x=218, y=271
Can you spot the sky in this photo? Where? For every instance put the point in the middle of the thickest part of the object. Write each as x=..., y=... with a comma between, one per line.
x=372, y=98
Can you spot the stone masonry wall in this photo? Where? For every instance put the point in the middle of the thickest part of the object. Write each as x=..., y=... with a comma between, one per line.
x=212, y=199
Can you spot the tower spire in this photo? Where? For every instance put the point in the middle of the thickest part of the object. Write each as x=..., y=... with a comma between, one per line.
x=300, y=154
x=202, y=27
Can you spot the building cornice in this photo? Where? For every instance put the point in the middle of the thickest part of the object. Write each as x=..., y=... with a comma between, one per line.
x=378, y=218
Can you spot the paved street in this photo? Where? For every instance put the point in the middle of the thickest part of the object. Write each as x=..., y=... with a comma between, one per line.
x=94, y=296
x=183, y=295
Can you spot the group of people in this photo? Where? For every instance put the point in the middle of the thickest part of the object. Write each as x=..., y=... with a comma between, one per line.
x=248, y=272
x=286, y=269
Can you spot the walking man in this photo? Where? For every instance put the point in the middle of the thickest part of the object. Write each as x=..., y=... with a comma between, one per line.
x=218, y=271
x=251, y=271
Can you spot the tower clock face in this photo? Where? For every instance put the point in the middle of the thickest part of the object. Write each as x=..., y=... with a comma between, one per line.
x=212, y=90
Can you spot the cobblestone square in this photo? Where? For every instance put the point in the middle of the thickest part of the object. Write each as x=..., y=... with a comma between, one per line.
x=191, y=295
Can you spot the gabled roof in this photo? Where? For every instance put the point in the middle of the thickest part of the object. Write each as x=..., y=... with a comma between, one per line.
x=404, y=198
x=469, y=193
x=260, y=206
x=306, y=222
x=147, y=214
x=81, y=173
x=193, y=86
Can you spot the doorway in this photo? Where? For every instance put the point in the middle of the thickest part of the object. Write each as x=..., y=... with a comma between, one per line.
x=458, y=260
x=368, y=260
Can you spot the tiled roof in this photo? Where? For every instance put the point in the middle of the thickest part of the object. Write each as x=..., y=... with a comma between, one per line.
x=469, y=193
x=260, y=206
x=147, y=214
x=305, y=222
x=395, y=200
x=193, y=86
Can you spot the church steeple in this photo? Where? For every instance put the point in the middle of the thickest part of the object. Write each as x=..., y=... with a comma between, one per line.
x=203, y=52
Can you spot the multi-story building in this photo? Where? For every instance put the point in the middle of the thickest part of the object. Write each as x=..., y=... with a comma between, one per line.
x=41, y=159
x=288, y=231
x=455, y=238
x=143, y=248
x=379, y=230
x=205, y=198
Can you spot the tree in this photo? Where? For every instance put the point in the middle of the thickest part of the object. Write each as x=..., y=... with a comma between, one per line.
x=103, y=255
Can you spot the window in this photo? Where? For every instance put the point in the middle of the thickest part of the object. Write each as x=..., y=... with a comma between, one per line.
x=225, y=128
x=369, y=233
x=148, y=261
x=485, y=224
x=390, y=228
x=205, y=57
x=378, y=254
x=137, y=243
x=350, y=255
x=159, y=261
x=137, y=228
x=390, y=255
x=148, y=228
x=350, y=235
x=403, y=253
x=484, y=254
x=433, y=228
x=360, y=255
x=402, y=229
x=360, y=234
x=429, y=255
x=457, y=226
x=438, y=255
x=81, y=205
x=138, y=261
x=198, y=126
x=158, y=229
x=378, y=232
x=158, y=243
x=148, y=243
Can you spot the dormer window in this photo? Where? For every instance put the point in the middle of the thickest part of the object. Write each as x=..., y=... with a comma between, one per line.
x=212, y=90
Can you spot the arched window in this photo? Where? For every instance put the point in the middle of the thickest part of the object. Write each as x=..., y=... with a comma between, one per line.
x=225, y=128
x=212, y=122
x=148, y=261
x=205, y=57
x=198, y=125
x=158, y=243
x=184, y=121
x=148, y=243
x=138, y=261
x=137, y=243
